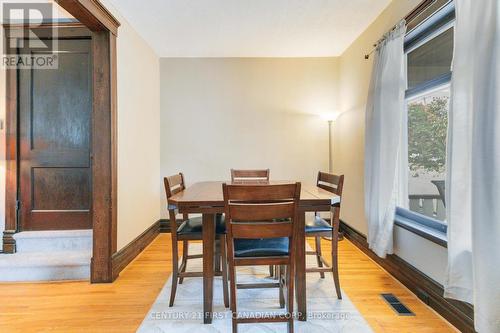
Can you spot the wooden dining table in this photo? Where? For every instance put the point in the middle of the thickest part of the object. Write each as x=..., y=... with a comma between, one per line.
x=206, y=198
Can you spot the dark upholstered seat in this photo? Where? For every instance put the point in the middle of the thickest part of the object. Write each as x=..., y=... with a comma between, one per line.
x=266, y=247
x=318, y=225
x=194, y=226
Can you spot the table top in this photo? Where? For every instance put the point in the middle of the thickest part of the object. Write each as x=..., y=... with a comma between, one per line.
x=208, y=194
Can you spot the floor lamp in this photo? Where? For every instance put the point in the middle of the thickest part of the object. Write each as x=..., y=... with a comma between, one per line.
x=331, y=119
x=330, y=148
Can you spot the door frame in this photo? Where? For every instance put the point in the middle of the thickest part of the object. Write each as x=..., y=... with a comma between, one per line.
x=104, y=28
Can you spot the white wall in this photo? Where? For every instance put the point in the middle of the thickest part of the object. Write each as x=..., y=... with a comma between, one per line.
x=349, y=134
x=222, y=113
x=426, y=256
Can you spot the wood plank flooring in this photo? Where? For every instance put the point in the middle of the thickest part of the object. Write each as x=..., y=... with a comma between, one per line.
x=121, y=306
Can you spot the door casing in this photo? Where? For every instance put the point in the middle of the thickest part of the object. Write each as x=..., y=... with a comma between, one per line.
x=104, y=28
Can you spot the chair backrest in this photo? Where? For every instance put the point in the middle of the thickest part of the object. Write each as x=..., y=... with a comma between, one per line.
x=330, y=182
x=173, y=185
x=262, y=174
x=335, y=184
x=261, y=211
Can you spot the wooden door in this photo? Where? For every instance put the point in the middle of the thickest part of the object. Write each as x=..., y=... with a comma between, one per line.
x=55, y=114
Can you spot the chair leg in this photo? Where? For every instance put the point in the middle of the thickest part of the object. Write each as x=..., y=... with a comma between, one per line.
x=224, y=270
x=175, y=270
x=281, y=282
x=318, y=255
x=335, y=272
x=232, y=284
x=290, y=276
x=276, y=272
x=217, y=259
x=185, y=253
x=271, y=270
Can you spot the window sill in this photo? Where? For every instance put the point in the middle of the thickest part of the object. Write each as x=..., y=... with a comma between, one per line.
x=429, y=231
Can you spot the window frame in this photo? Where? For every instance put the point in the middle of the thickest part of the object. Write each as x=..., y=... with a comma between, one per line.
x=436, y=24
x=439, y=80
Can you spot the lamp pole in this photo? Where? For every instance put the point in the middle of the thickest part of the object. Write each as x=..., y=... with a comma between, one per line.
x=330, y=167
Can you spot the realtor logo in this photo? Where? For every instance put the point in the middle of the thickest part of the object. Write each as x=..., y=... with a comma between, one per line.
x=31, y=40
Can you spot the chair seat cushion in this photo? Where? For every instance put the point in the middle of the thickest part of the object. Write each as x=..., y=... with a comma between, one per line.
x=266, y=247
x=194, y=225
x=317, y=225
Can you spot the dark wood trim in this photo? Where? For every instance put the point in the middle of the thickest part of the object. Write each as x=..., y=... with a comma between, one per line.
x=113, y=141
x=104, y=144
x=47, y=25
x=9, y=243
x=104, y=165
x=103, y=150
x=459, y=314
x=122, y=258
x=92, y=14
x=165, y=225
x=64, y=31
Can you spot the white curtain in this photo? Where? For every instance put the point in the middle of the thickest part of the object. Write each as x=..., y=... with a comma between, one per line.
x=383, y=149
x=473, y=165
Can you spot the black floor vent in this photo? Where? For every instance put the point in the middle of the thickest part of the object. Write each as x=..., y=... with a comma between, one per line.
x=396, y=305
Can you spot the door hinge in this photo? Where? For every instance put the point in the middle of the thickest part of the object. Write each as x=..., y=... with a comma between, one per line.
x=18, y=209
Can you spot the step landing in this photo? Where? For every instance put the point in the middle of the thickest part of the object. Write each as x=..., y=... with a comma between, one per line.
x=48, y=256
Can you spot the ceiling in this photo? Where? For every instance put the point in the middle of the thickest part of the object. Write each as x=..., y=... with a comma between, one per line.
x=250, y=28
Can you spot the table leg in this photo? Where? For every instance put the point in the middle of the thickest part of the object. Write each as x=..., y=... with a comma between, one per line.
x=300, y=268
x=208, y=265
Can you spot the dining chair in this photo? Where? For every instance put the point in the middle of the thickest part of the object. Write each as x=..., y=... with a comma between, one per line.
x=240, y=175
x=261, y=230
x=248, y=175
x=191, y=230
x=319, y=227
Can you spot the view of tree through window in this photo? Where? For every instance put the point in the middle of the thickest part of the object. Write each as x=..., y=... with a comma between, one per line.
x=427, y=129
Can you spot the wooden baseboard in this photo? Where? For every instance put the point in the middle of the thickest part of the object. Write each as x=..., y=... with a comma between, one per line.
x=165, y=225
x=122, y=258
x=459, y=314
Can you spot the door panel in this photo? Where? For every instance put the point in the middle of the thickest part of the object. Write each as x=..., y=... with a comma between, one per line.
x=55, y=109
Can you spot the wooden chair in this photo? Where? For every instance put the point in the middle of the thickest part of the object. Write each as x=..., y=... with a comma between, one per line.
x=319, y=227
x=261, y=230
x=189, y=230
x=249, y=175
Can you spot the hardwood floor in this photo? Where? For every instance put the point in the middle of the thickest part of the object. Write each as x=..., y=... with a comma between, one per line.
x=363, y=281
x=121, y=306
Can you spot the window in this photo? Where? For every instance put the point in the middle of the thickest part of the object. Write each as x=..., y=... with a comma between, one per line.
x=429, y=52
x=430, y=60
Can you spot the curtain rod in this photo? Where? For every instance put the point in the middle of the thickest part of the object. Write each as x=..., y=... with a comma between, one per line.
x=408, y=18
x=377, y=43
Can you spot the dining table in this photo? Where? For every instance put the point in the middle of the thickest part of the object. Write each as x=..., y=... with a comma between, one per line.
x=206, y=198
